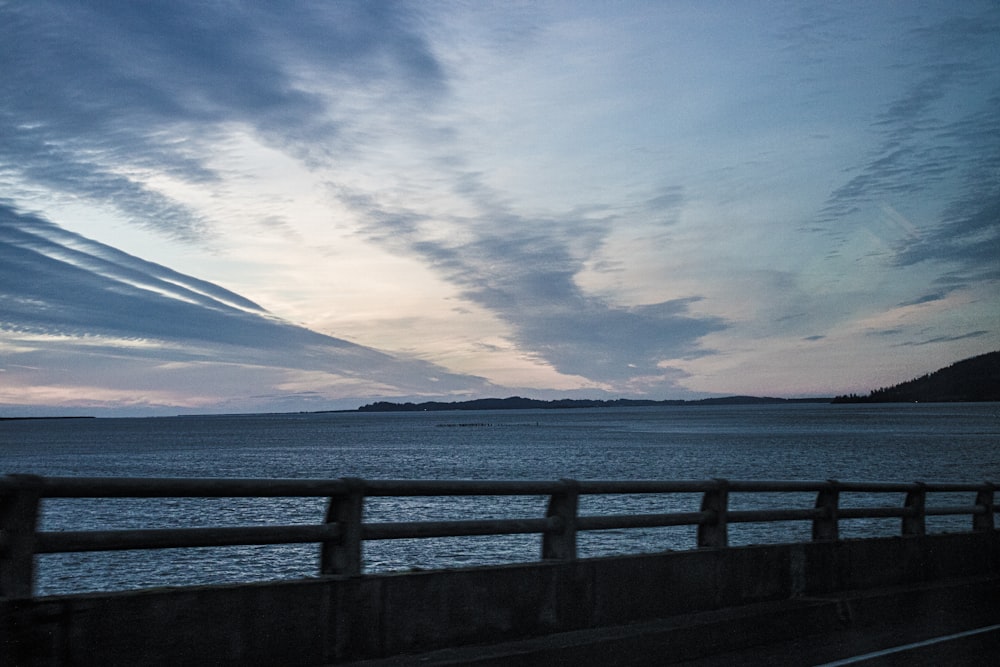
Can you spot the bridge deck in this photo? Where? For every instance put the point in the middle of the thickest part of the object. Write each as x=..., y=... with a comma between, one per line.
x=845, y=628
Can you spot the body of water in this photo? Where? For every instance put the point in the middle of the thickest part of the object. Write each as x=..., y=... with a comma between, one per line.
x=929, y=442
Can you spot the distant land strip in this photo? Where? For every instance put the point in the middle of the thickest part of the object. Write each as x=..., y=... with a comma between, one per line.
x=518, y=403
x=976, y=379
x=10, y=419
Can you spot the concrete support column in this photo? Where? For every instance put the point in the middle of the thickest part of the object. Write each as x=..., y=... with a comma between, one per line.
x=343, y=555
x=563, y=505
x=714, y=532
x=18, y=520
x=984, y=499
x=825, y=528
x=916, y=522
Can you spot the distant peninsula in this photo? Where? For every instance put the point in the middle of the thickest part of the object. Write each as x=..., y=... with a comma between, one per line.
x=518, y=403
x=976, y=379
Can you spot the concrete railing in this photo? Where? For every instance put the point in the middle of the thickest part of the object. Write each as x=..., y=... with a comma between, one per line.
x=343, y=530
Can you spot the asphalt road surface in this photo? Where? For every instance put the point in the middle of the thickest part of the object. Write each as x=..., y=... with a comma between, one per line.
x=972, y=647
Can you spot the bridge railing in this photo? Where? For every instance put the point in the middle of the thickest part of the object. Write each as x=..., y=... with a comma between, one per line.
x=343, y=530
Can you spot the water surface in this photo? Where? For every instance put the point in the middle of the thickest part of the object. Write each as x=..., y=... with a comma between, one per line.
x=931, y=442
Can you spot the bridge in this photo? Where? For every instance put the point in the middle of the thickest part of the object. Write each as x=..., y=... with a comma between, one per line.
x=825, y=599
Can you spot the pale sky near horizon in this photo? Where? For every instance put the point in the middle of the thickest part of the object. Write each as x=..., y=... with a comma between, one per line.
x=236, y=206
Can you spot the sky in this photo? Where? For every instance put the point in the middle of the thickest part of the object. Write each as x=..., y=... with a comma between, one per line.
x=236, y=206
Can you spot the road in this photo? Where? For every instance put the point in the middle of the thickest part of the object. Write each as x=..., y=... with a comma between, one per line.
x=979, y=646
x=950, y=623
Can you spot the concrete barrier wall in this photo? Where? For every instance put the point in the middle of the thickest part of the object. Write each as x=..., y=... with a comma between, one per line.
x=336, y=619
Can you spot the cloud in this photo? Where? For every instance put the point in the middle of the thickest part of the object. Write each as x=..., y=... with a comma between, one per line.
x=968, y=234
x=947, y=339
x=938, y=138
x=926, y=298
x=559, y=196
x=523, y=270
x=64, y=293
x=97, y=96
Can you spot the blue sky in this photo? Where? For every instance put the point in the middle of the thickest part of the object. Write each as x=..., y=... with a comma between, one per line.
x=234, y=206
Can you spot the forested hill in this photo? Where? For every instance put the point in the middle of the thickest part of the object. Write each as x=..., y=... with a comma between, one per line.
x=974, y=379
x=518, y=403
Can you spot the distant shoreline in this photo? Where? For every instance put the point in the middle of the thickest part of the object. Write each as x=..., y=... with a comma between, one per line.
x=11, y=419
x=972, y=380
x=519, y=403
x=968, y=381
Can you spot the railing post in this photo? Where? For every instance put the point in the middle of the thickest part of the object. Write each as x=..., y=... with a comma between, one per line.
x=715, y=532
x=18, y=521
x=826, y=528
x=984, y=498
x=563, y=504
x=915, y=523
x=343, y=555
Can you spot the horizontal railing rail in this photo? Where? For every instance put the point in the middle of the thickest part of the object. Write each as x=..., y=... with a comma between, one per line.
x=343, y=530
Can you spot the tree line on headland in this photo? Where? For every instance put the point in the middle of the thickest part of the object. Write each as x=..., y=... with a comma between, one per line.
x=970, y=380
x=974, y=379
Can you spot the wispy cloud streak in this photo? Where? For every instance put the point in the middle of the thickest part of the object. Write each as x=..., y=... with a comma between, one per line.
x=524, y=270
x=59, y=285
x=941, y=134
x=136, y=88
